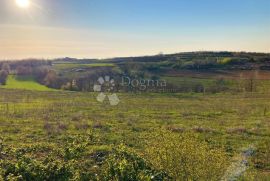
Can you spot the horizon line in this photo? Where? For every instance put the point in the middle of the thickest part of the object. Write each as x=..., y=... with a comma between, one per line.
x=145, y=55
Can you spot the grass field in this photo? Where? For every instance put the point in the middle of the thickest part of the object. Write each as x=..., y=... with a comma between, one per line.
x=67, y=135
x=24, y=82
x=64, y=66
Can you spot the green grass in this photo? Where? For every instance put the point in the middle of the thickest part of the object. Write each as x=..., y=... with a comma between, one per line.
x=73, y=129
x=225, y=60
x=63, y=66
x=25, y=83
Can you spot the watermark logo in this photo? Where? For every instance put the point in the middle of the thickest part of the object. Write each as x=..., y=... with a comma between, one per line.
x=105, y=87
x=142, y=84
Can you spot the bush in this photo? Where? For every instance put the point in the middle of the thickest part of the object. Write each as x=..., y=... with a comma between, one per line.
x=124, y=164
x=29, y=169
x=55, y=165
x=184, y=157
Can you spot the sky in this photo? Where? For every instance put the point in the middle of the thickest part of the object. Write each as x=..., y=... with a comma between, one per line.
x=113, y=28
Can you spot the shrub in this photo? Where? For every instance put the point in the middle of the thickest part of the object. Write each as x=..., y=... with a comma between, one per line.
x=124, y=164
x=74, y=148
x=184, y=157
x=20, y=165
x=29, y=169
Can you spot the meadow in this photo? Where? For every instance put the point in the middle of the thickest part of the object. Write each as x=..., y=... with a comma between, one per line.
x=211, y=121
x=150, y=136
x=24, y=82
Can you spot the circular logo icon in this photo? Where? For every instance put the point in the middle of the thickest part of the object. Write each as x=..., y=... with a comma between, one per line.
x=105, y=87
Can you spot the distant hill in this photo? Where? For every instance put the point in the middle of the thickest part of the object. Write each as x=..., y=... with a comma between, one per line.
x=188, y=72
x=185, y=61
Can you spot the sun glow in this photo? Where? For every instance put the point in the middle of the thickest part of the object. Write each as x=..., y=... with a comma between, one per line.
x=23, y=3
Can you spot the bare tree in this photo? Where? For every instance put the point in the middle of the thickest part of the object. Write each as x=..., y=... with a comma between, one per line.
x=6, y=67
x=3, y=77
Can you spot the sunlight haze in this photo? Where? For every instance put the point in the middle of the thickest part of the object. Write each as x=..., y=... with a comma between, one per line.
x=99, y=29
